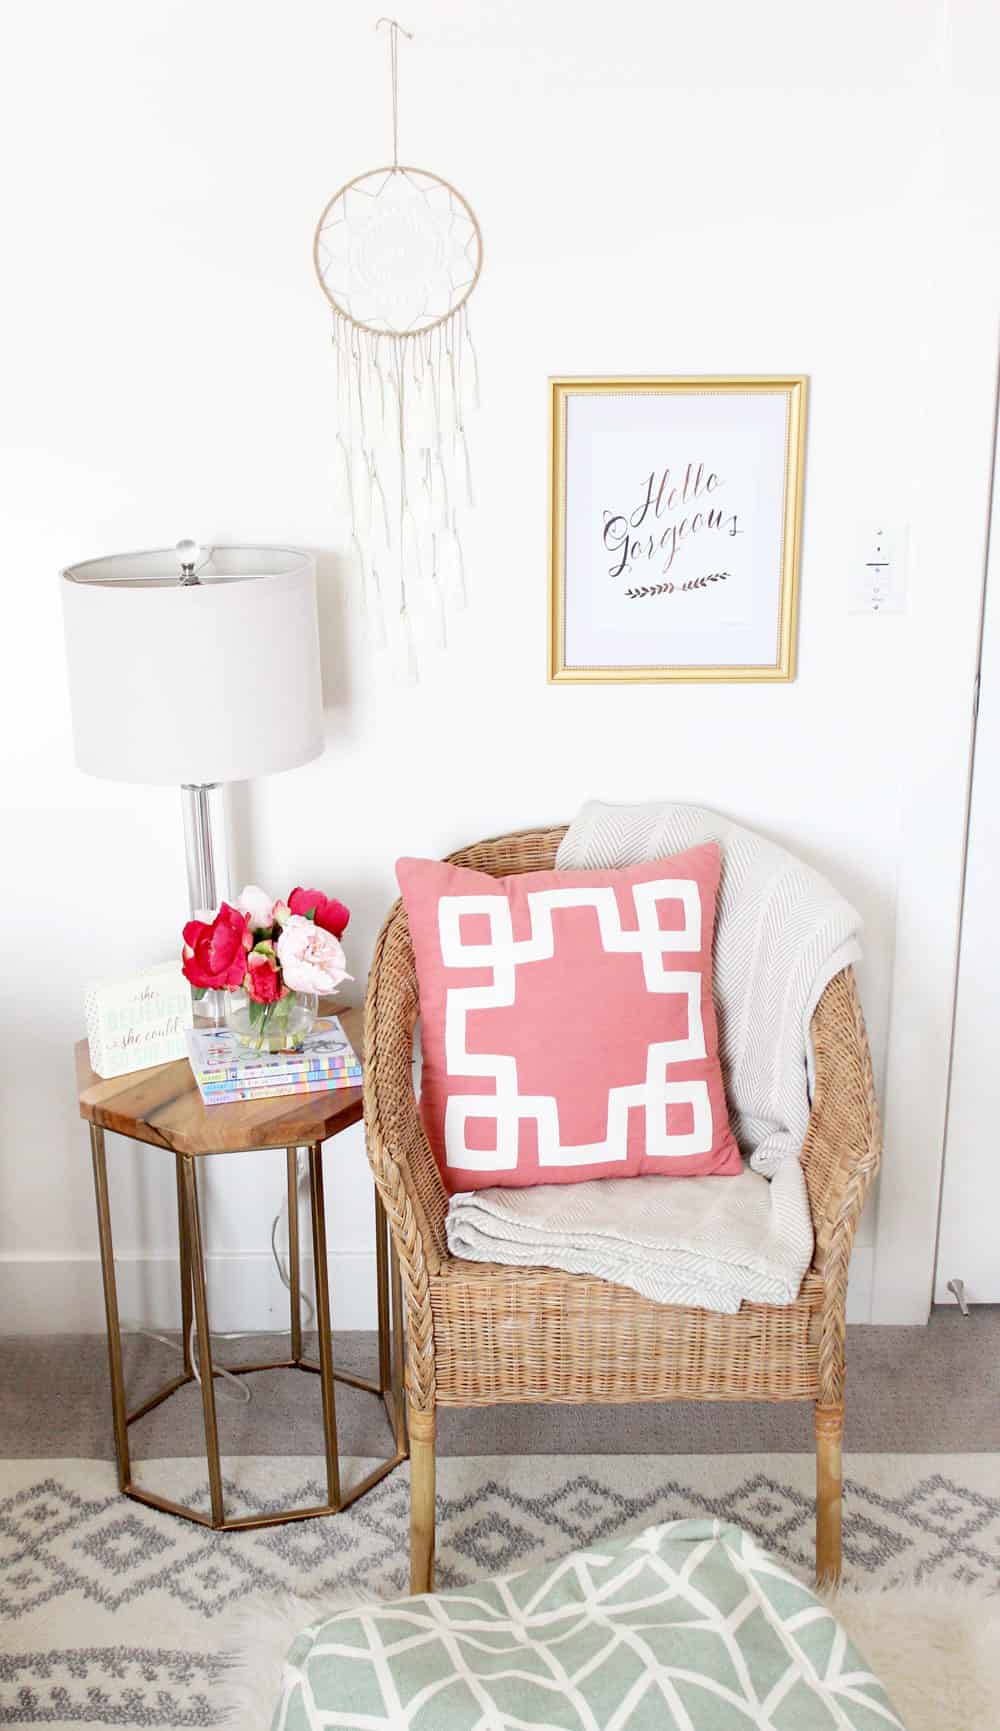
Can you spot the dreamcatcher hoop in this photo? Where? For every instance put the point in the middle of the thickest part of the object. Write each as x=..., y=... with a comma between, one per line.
x=413, y=176
x=397, y=252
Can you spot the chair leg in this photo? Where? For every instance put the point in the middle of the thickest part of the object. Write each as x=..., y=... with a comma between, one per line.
x=422, y=1470
x=829, y=1492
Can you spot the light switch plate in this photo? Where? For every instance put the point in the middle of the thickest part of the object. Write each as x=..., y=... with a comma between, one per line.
x=878, y=575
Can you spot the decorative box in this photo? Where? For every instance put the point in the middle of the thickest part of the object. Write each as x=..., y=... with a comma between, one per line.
x=139, y=1021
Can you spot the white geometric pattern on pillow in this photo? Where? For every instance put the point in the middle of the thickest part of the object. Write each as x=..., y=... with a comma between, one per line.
x=688, y=1627
x=504, y=954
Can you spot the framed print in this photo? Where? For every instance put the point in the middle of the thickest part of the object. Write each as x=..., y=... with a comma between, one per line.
x=676, y=518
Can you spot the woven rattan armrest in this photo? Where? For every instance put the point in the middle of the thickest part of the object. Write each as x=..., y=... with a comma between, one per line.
x=840, y=1157
x=401, y=1158
x=841, y=1151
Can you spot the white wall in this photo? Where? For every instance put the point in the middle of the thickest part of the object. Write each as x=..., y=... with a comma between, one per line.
x=701, y=189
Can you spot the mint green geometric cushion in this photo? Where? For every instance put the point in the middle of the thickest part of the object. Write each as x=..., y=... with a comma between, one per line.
x=688, y=1627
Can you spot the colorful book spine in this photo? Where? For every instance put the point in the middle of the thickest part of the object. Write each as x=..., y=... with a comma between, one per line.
x=287, y=1085
x=221, y=1095
x=343, y=1078
x=248, y=1075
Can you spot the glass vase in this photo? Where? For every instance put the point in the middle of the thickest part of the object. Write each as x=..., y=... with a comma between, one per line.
x=280, y=1027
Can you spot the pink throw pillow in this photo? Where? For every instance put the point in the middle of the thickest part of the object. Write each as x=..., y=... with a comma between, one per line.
x=568, y=1027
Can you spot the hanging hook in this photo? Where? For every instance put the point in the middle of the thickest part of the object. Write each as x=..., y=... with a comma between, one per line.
x=394, y=29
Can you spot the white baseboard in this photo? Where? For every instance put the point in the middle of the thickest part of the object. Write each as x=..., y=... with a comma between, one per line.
x=63, y=1295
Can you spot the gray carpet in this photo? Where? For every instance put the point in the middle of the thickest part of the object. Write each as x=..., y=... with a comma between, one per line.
x=919, y=1390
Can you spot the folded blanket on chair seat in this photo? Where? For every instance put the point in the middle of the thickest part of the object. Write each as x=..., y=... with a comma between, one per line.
x=709, y=1242
x=687, y=1627
x=782, y=933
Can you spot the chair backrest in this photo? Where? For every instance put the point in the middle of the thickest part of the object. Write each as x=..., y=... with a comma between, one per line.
x=527, y=850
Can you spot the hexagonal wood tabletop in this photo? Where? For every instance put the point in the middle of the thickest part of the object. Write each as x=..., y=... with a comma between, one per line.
x=162, y=1106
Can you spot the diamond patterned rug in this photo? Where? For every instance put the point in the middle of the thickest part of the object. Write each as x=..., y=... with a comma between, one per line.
x=112, y=1614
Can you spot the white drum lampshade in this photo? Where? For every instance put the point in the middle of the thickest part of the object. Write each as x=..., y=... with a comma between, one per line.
x=194, y=669
x=211, y=680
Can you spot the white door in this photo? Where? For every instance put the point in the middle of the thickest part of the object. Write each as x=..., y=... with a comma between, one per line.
x=969, y=1237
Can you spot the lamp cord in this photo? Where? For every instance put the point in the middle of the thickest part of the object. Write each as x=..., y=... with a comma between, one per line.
x=229, y=1377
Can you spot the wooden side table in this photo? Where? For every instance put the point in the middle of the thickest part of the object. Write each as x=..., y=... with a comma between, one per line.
x=162, y=1107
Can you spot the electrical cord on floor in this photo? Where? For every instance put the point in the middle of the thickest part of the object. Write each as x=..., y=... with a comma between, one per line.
x=243, y=1393
x=219, y=1369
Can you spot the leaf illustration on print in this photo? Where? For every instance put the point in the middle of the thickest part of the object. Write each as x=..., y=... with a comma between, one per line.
x=676, y=588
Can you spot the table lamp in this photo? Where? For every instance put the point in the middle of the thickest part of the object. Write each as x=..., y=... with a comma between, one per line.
x=194, y=668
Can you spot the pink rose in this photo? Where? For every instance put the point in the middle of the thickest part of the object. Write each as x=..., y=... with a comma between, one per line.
x=311, y=959
x=215, y=953
x=326, y=911
x=258, y=907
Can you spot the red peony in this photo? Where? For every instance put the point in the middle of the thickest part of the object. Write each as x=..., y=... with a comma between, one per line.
x=215, y=954
x=263, y=981
x=331, y=915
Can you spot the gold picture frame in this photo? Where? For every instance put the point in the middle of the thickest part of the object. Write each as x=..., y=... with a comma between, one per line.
x=773, y=583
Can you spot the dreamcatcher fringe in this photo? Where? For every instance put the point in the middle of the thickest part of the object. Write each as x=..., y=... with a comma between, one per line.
x=401, y=444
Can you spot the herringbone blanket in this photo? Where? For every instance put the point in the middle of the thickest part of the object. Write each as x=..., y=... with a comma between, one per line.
x=782, y=933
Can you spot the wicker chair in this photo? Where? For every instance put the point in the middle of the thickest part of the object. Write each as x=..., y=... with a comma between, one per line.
x=479, y=1334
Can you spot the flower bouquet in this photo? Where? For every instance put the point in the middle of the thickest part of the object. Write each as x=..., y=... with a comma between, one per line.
x=273, y=959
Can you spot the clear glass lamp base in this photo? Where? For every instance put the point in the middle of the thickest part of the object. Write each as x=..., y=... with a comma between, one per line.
x=210, y=1009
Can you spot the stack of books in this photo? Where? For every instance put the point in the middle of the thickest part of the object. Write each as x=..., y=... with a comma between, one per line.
x=225, y=1070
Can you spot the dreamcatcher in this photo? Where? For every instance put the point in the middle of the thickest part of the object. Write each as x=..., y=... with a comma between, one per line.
x=398, y=252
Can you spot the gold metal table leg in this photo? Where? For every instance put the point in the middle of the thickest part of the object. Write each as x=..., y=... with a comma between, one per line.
x=323, y=1323
x=118, y=1411
x=185, y=1268
x=204, y=1341
x=294, y=1259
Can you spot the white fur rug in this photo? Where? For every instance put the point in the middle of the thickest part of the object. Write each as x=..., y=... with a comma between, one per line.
x=937, y=1651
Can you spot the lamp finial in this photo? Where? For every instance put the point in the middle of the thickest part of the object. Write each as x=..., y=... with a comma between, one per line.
x=188, y=557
